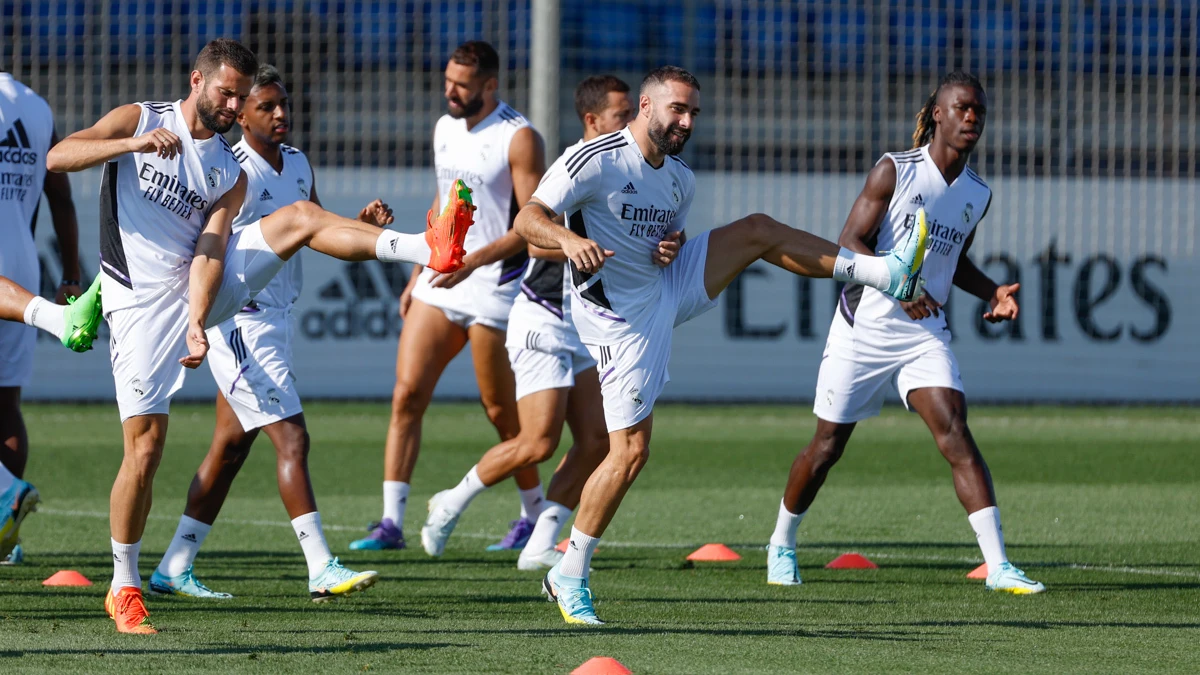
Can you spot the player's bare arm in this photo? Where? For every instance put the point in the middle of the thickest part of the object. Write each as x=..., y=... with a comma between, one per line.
x=527, y=163
x=108, y=139
x=57, y=189
x=1000, y=297
x=204, y=280
x=535, y=222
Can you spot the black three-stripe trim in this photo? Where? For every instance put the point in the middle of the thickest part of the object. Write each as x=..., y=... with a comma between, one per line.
x=240, y=155
x=158, y=107
x=605, y=355
x=680, y=161
x=237, y=346
x=975, y=177
x=593, y=152
x=599, y=140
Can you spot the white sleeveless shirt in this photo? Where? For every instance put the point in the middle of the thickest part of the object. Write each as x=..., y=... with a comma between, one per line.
x=152, y=209
x=479, y=156
x=267, y=191
x=952, y=212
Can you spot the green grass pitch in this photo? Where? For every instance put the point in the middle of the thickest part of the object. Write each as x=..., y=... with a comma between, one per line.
x=1100, y=504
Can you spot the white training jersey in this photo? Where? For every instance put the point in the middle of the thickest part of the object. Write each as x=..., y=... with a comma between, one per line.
x=614, y=197
x=541, y=306
x=952, y=212
x=266, y=191
x=479, y=156
x=26, y=129
x=152, y=209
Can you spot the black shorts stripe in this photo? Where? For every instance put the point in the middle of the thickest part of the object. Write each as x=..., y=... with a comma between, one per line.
x=598, y=151
x=112, y=251
x=594, y=293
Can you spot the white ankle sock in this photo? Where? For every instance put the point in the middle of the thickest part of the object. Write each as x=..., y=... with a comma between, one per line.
x=459, y=497
x=579, y=555
x=180, y=555
x=986, y=523
x=394, y=246
x=549, y=524
x=6, y=479
x=532, y=502
x=125, y=565
x=312, y=541
x=395, y=500
x=863, y=269
x=41, y=313
x=785, y=527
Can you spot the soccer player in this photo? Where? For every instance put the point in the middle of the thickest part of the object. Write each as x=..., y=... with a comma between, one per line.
x=556, y=380
x=250, y=358
x=501, y=156
x=876, y=339
x=26, y=135
x=625, y=192
x=171, y=189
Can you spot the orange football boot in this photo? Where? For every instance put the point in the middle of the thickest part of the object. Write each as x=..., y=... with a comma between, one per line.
x=128, y=609
x=446, y=232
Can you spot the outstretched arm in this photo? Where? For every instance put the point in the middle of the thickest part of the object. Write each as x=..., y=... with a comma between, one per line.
x=108, y=139
x=57, y=188
x=207, y=267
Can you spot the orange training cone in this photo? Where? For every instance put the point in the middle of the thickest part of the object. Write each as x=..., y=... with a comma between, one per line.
x=67, y=578
x=979, y=572
x=714, y=553
x=602, y=665
x=851, y=561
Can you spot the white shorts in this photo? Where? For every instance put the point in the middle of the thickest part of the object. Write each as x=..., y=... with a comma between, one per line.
x=545, y=363
x=465, y=321
x=853, y=379
x=18, y=341
x=250, y=357
x=474, y=301
x=149, y=339
x=633, y=372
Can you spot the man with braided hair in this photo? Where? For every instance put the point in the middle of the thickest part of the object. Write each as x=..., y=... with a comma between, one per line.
x=876, y=339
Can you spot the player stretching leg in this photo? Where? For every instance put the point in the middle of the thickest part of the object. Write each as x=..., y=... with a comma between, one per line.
x=250, y=360
x=171, y=189
x=626, y=192
x=876, y=339
x=501, y=156
x=28, y=128
x=556, y=379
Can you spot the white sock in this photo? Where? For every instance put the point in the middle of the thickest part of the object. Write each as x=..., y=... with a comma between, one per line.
x=312, y=542
x=41, y=313
x=986, y=523
x=6, y=479
x=863, y=269
x=549, y=526
x=532, y=502
x=785, y=527
x=184, y=546
x=578, y=559
x=394, y=246
x=459, y=497
x=395, y=499
x=125, y=565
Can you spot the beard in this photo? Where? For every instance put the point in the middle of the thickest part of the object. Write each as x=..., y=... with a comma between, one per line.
x=469, y=108
x=664, y=140
x=210, y=116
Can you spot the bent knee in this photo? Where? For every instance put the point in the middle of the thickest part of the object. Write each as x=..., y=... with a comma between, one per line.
x=536, y=451
x=408, y=401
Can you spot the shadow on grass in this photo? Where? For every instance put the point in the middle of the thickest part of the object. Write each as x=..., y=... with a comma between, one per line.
x=349, y=648
x=1047, y=625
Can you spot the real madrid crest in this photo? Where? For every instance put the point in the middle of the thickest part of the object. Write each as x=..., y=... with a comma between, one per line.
x=675, y=193
x=213, y=174
x=303, y=187
x=968, y=213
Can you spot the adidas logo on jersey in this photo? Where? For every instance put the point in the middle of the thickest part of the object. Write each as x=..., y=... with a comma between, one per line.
x=629, y=189
x=18, y=140
x=265, y=196
x=918, y=200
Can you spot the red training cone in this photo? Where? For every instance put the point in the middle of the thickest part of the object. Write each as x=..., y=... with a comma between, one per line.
x=979, y=572
x=851, y=561
x=714, y=553
x=602, y=665
x=67, y=578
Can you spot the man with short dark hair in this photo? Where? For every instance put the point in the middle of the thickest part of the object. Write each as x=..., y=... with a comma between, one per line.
x=501, y=157
x=626, y=194
x=171, y=189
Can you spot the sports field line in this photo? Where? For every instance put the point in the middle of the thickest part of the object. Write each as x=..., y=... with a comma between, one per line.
x=686, y=546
